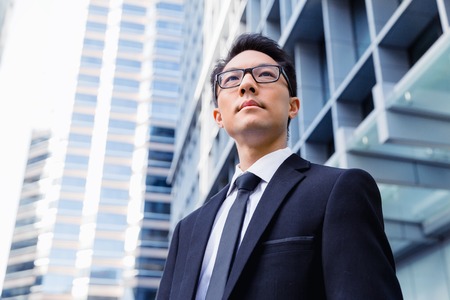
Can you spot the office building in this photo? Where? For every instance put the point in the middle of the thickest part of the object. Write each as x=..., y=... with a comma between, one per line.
x=93, y=218
x=6, y=7
x=373, y=79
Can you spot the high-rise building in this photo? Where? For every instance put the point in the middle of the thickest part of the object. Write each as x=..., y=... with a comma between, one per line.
x=93, y=218
x=5, y=13
x=373, y=79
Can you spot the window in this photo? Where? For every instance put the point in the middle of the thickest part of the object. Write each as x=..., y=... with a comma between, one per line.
x=157, y=207
x=171, y=27
x=134, y=10
x=122, y=124
x=74, y=181
x=92, y=62
x=36, y=159
x=93, y=44
x=130, y=27
x=159, y=158
x=114, y=193
x=163, y=111
x=120, y=102
x=86, y=98
x=130, y=46
x=114, y=147
x=98, y=10
x=171, y=45
x=79, y=138
x=77, y=159
x=95, y=26
x=169, y=6
x=154, y=234
x=162, y=135
x=88, y=80
x=116, y=171
x=83, y=118
x=128, y=65
x=166, y=65
x=126, y=84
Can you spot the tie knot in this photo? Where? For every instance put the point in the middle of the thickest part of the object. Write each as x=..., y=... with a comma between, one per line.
x=247, y=181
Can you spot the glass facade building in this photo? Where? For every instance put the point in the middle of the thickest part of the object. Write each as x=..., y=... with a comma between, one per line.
x=374, y=83
x=6, y=7
x=93, y=218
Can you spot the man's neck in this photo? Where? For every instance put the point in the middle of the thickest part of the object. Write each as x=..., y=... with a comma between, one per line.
x=249, y=155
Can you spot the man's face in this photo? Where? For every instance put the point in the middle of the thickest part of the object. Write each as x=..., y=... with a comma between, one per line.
x=255, y=112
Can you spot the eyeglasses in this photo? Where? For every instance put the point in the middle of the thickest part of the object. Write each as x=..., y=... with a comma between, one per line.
x=261, y=74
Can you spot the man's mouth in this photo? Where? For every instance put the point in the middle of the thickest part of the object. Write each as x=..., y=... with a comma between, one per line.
x=249, y=103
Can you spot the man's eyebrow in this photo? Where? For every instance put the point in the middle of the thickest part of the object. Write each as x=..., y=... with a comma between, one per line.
x=260, y=65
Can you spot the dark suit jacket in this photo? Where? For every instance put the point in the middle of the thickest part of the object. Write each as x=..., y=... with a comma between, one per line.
x=317, y=233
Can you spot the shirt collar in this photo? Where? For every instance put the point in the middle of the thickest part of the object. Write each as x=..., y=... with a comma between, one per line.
x=264, y=168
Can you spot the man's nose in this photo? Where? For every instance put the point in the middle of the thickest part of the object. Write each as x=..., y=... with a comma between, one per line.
x=248, y=83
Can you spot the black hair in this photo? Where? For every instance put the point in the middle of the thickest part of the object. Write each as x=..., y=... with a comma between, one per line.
x=260, y=43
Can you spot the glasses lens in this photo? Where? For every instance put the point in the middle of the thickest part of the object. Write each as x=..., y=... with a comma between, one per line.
x=266, y=73
x=230, y=78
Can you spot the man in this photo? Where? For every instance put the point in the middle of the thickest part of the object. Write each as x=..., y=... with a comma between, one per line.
x=309, y=231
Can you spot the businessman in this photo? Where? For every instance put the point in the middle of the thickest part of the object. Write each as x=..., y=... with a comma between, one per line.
x=306, y=231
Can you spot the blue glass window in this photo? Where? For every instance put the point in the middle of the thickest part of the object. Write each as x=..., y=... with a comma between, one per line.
x=114, y=193
x=169, y=26
x=126, y=84
x=77, y=159
x=134, y=10
x=154, y=234
x=92, y=62
x=38, y=158
x=74, y=181
x=86, y=98
x=169, y=6
x=119, y=148
x=128, y=65
x=165, y=86
x=122, y=125
x=131, y=27
x=117, y=170
x=130, y=46
x=93, y=44
x=166, y=65
x=68, y=204
x=108, y=247
x=88, y=80
x=95, y=26
x=66, y=230
x=160, y=134
x=82, y=118
x=171, y=45
x=79, y=138
x=98, y=10
x=121, y=102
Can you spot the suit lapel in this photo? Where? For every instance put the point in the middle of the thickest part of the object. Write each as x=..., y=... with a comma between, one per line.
x=284, y=179
x=198, y=241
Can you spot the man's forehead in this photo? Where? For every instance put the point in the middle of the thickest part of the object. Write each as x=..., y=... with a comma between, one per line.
x=248, y=59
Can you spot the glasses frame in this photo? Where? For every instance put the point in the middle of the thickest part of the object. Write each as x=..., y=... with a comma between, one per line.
x=250, y=70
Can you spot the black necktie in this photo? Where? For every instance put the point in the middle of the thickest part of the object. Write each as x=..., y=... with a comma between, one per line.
x=229, y=241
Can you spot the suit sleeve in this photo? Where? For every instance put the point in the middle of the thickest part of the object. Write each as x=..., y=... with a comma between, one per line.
x=357, y=259
x=165, y=285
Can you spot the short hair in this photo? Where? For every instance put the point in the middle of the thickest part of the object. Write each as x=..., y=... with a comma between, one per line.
x=260, y=43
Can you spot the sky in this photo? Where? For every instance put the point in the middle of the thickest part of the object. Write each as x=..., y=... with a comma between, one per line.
x=37, y=70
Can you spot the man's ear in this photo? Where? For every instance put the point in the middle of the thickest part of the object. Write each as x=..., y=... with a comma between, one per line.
x=294, y=107
x=217, y=117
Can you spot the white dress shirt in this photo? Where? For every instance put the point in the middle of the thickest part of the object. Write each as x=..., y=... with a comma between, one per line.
x=264, y=168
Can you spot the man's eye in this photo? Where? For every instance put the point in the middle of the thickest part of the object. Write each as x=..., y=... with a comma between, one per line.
x=230, y=79
x=267, y=73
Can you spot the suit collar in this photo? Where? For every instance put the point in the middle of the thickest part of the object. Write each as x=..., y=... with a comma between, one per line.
x=288, y=175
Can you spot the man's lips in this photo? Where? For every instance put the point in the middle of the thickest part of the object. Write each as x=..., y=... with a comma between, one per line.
x=249, y=103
